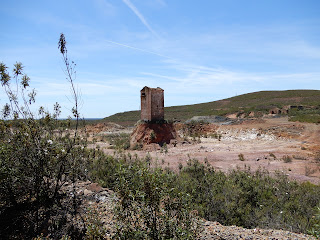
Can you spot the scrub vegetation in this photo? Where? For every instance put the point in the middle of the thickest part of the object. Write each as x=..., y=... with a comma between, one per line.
x=239, y=198
x=245, y=104
x=38, y=157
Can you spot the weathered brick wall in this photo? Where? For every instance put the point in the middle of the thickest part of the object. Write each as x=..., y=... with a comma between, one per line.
x=157, y=104
x=152, y=104
x=145, y=104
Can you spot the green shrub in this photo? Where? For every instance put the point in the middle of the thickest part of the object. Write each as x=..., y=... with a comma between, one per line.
x=164, y=148
x=119, y=141
x=94, y=226
x=36, y=159
x=215, y=135
x=152, y=135
x=305, y=115
x=150, y=206
x=150, y=209
x=238, y=198
x=315, y=230
x=250, y=199
x=137, y=146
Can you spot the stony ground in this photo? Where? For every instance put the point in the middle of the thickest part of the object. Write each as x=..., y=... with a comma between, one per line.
x=214, y=230
x=264, y=143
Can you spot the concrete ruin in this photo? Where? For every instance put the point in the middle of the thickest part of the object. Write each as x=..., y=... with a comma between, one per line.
x=285, y=109
x=275, y=111
x=152, y=104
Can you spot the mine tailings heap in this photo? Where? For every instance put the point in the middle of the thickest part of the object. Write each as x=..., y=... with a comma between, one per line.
x=152, y=127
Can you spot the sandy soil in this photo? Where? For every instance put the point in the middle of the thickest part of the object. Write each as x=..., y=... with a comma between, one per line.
x=263, y=144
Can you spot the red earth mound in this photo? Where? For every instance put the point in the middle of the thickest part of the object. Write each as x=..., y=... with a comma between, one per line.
x=148, y=133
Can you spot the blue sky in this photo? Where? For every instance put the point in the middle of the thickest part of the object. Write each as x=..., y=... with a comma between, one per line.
x=197, y=51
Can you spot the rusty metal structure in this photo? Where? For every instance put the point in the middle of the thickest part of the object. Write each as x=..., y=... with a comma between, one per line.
x=152, y=104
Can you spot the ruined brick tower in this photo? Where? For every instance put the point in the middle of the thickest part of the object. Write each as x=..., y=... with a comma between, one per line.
x=152, y=104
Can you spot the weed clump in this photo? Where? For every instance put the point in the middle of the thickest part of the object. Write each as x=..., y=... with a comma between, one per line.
x=317, y=157
x=119, y=141
x=309, y=171
x=273, y=156
x=287, y=159
x=164, y=148
x=241, y=157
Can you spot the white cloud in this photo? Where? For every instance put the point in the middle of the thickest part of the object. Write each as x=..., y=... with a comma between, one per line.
x=197, y=78
x=138, y=49
x=140, y=16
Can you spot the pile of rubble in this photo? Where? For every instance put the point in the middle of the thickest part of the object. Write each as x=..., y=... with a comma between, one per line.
x=245, y=134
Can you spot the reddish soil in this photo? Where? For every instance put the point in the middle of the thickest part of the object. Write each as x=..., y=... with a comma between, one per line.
x=264, y=143
x=147, y=133
x=102, y=127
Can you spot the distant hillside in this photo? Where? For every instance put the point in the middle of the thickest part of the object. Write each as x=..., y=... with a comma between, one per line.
x=258, y=101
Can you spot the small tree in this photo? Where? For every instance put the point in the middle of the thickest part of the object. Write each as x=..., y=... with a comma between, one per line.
x=36, y=158
x=149, y=208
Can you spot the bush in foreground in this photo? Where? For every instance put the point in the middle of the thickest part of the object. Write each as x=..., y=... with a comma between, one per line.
x=36, y=159
x=250, y=199
x=239, y=198
x=150, y=206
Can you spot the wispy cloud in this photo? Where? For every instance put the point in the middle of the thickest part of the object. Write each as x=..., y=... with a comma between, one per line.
x=140, y=16
x=299, y=49
x=138, y=49
x=201, y=78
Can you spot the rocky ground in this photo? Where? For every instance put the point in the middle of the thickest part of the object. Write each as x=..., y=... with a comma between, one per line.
x=273, y=144
x=214, y=230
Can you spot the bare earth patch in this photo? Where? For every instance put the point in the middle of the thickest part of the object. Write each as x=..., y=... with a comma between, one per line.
x=274, y=144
